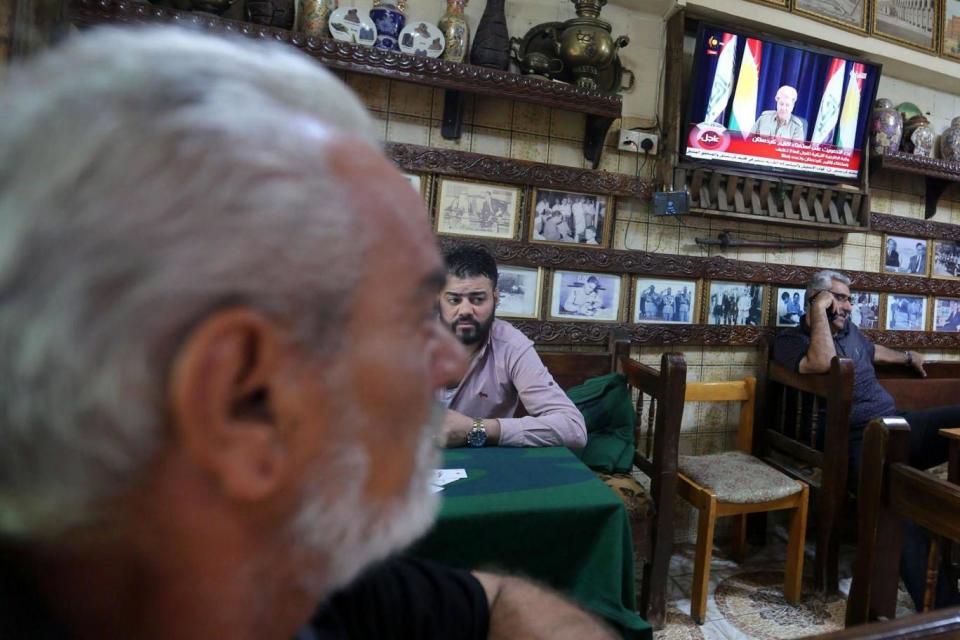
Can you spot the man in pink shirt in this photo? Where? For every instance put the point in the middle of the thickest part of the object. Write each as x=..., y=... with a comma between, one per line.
x=504, y=369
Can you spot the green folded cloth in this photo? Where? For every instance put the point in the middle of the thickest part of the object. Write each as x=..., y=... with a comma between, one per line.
x=608, y=410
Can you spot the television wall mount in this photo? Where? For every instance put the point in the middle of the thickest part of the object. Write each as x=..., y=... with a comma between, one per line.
x=766, y=199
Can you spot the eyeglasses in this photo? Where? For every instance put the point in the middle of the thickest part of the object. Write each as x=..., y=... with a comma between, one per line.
x=842, y=298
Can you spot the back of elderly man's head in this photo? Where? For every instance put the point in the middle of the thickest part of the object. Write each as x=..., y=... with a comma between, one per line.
x=147, y=178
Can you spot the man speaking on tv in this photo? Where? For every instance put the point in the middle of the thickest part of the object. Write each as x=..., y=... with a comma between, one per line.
x=781, y=123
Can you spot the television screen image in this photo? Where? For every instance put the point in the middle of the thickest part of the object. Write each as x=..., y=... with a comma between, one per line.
x=786, y=109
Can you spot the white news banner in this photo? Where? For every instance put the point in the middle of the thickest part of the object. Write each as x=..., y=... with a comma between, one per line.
x=443, y=477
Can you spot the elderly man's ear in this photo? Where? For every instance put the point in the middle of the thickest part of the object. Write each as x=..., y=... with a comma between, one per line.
x=223, y=399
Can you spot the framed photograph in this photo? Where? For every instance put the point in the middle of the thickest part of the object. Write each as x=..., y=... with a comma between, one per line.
x=781, y=4
x=788, y=306
x=946, y=314
x=420, y=183
x=520, y=290
x=866, y=309
x=665, y=301
x=913, y=24
x=906, y=312
x=735, y=303
x=946, y=259
x=467, y=208
x=566, y=217
x=950, y=30
x=592, y=297
x=846, y=14
x=905, y=255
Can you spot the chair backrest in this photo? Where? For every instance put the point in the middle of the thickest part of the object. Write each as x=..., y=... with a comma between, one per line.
x=942, y=624
x=570, y=368
x=743, y=391
x=889, y=491
x=911, y=391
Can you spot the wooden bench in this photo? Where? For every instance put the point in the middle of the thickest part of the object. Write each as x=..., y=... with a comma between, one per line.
x=889, y=491
x=911, y=391
x=661, y=393
x=787, y=438
x=943, y=624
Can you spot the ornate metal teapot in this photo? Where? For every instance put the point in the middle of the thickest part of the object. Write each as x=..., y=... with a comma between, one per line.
x=585, y=44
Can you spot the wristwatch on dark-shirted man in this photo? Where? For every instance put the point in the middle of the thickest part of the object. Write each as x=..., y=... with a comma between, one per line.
x=477, y=436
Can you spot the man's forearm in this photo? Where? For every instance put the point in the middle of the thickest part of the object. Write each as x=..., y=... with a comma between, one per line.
x=884, y=355
x=522, y=609
x=822, y=349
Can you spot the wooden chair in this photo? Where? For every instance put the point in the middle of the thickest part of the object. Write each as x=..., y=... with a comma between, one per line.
x=790, y=440
x=889, y=491
x=735, y=483
x=943, y=624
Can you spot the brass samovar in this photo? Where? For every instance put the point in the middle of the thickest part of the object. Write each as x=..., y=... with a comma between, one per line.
x=585, y=44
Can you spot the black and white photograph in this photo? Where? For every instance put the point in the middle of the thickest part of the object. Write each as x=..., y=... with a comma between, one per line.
x=735, y=303
x=519, y=290
x=789, y=306
x=665, y=301
x=866, y=309
x=906, y=313
x=905, y=255
x=946, y=259
x=909, y=22
x=468, y=208
x=569, y=218
x=585, y=296
x=847, y=14
x=946, y=315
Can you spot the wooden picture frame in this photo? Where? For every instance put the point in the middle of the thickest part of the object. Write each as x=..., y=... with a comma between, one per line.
x=901, y=315
x=665, y=305
x=887, y=24
x=520, y=292
x=478, y=209
x=781, y=310
x=583, y=296
x=421, y=184
x=851, y=15
x=779, y=4
x=945, y=259
x=868, y=309
x=945, y=315
x=568, y=217
x=718, y=312
x=900, y=257
x=950, y=30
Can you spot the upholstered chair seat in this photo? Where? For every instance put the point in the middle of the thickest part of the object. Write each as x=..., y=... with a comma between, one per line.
x=735, y=476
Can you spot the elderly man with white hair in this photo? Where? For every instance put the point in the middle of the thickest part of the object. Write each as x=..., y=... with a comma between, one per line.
x=780, y=122
x=209, y=425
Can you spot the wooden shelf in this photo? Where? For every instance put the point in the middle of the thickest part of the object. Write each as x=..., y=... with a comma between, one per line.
x=938, y=174
x=456, y=78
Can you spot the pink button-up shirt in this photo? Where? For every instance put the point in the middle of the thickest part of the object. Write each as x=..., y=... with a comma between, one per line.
x=506, y=371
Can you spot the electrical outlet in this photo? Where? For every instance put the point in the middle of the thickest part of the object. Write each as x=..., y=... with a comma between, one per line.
x=634, y=141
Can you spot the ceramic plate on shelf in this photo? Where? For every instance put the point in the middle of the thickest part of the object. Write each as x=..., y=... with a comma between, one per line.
x=348, y=24
x=422, y=39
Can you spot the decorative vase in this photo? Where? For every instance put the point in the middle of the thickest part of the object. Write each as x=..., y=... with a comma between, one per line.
x=271, y=13
x=950, y=141
x=491, y=44
x=313, y=16
x=886, y=127
x=390, y=19
x=586, y=46
x=918, y=136
x=456, y=31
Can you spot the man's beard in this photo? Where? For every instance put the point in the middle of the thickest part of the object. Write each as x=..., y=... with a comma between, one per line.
x=479, y=333
x=337, y=524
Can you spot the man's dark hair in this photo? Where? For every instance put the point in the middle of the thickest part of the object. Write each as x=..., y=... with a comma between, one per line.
x=470, y=262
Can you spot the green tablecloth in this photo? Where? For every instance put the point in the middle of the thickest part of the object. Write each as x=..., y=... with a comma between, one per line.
x=540, y=513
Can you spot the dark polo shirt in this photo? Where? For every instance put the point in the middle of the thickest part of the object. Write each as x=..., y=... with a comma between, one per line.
x=870, y=399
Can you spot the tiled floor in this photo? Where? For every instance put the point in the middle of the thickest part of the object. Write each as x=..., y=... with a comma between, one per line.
x=746, y=600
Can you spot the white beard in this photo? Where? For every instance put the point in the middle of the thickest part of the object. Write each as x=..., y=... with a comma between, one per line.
x=336, y=524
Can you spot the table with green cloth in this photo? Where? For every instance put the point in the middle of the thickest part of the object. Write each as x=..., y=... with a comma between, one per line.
x=539, y=512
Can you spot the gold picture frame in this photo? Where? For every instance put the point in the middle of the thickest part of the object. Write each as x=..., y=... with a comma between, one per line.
x=833, y=13
x=950, y=315
x=478, y=209
x=779, y=4
x=421, y=183
x=584, y=296
x=901, y=315
x=887, y=24
x=717, y=313
x=565, y=226
x=659, y=311
x=945, y=260
x=950, y=30
x=520, y=292
x=792, y=308
x=873, y=315
x=900, y=259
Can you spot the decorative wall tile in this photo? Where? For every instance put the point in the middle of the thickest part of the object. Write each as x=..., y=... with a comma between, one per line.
x=565, y=152
x=524, y=146
x=567, y=124
x=463, y=143
x=531, y=118
x=410, y=99
x=408, y=129
x=492, y=112
x=494, y=142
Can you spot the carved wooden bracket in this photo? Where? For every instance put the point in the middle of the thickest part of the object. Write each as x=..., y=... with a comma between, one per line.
x=938, y=174
x=728, y=194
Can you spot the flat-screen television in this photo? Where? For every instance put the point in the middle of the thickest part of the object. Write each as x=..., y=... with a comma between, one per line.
x=793, y=110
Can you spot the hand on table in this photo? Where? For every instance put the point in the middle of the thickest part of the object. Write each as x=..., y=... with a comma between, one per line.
x=455, y=429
